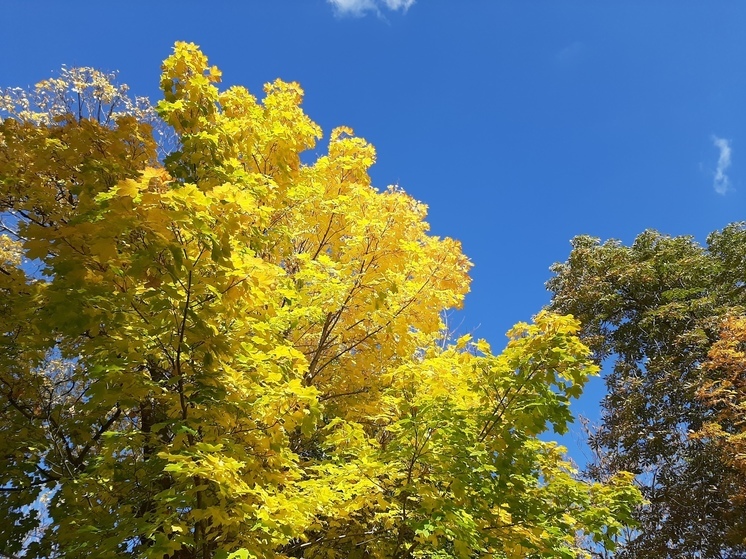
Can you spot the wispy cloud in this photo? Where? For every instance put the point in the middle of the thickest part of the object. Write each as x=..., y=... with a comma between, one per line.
x=570, y=54
x=360, y=7
x=721, y=181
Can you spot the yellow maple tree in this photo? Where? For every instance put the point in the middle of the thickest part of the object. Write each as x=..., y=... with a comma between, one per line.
x=228, y=352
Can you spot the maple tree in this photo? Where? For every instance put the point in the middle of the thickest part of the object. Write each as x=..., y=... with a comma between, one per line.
x=654, y=311
x=225, y=352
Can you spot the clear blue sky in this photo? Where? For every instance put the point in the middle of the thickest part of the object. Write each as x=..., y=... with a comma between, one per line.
x=520, y=124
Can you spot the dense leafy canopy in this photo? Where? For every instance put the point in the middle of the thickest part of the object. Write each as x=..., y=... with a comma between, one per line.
x=656, y=310
x=231, y=352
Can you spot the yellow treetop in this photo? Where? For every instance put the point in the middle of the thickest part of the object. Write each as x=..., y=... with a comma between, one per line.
x=230, y=352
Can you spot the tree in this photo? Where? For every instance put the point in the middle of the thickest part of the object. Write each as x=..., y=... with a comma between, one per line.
x=724, y=392
x=654, y=310
x=228, y=352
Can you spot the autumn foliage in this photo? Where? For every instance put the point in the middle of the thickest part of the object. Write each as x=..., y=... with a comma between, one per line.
x=724, y=393
x=666, y=315
x=226, y=351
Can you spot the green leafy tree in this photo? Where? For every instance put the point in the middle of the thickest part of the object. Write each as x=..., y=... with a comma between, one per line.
x=230, y=353
x=654, y=310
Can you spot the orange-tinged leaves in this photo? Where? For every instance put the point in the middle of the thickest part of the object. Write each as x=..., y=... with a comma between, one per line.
x=725, y=392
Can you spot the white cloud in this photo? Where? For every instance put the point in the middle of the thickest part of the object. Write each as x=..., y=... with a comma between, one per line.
x=359, y=7
x=721, y=182
x=399, y=4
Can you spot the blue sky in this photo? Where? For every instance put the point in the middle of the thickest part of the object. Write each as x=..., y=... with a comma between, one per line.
x=520, y=124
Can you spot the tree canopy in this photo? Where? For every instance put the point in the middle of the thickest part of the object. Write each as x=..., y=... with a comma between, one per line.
x=211, y=348
x=668, y=315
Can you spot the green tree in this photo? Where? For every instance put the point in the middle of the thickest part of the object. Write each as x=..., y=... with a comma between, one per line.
x=654, y=310
x=232, y=353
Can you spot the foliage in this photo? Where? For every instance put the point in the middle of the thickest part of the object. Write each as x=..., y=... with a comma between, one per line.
x=231, y=353
x=724, y=392
x=654, y=309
